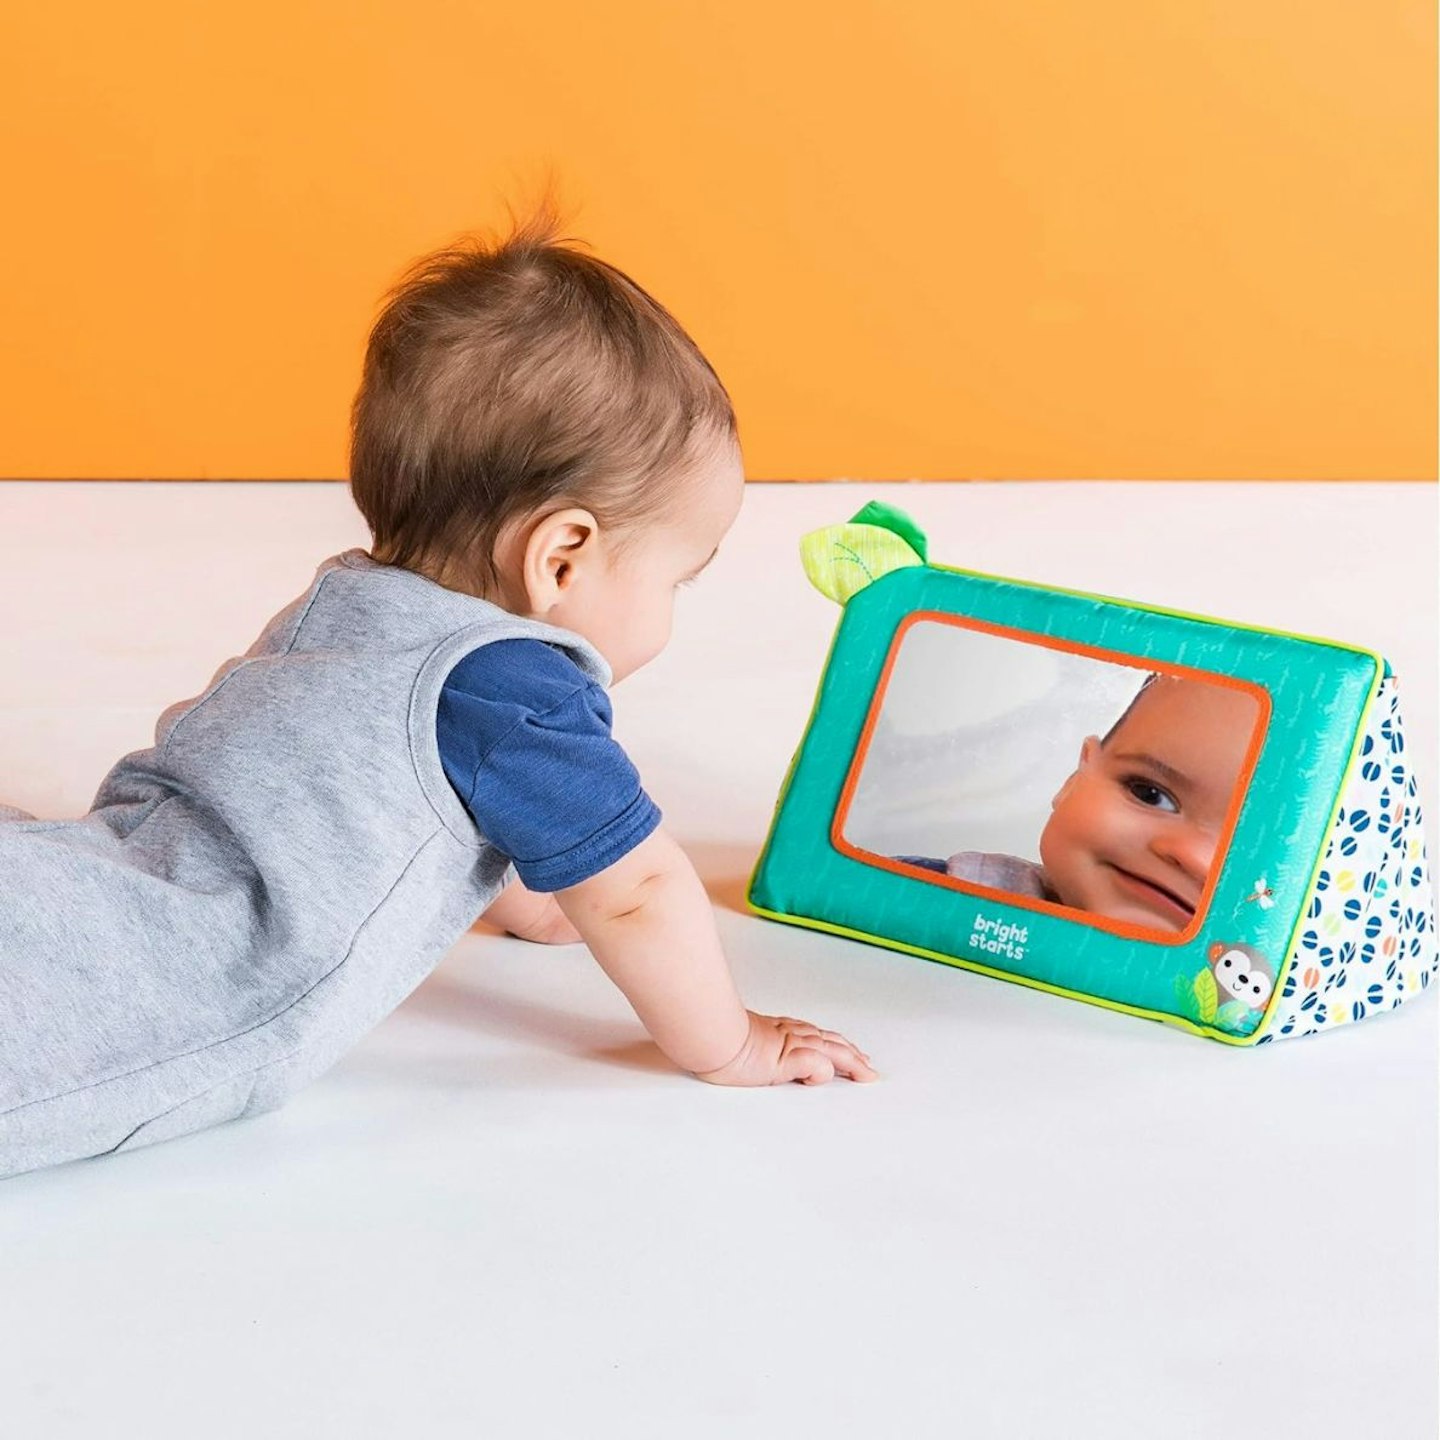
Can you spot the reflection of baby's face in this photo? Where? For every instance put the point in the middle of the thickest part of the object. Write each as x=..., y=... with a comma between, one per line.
x=1133, y=831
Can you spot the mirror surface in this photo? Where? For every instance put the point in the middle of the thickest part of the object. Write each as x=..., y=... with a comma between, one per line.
x=1100, y=786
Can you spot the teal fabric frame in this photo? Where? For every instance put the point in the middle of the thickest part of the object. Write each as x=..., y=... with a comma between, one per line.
x=1319, y=693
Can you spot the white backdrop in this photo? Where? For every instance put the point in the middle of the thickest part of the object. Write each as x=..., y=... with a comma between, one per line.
x=504, y=1214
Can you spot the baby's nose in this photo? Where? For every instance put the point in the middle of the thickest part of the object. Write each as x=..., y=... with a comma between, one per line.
x=1187, y=846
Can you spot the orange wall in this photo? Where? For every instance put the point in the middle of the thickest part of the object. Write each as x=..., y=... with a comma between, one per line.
x=938, y=238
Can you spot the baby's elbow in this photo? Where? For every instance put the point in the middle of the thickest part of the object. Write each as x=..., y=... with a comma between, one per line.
x=623, y=891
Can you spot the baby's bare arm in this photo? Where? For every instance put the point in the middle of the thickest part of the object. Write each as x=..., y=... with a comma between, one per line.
x=530, y=916
x=648, y=921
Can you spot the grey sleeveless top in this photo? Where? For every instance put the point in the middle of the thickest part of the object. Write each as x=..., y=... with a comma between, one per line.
x=245, y=899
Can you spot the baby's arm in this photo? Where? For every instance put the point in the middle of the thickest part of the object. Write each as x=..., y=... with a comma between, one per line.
x=530, y=916
x=647, y=920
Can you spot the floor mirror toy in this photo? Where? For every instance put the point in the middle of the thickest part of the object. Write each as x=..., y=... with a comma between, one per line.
x=1202, y=822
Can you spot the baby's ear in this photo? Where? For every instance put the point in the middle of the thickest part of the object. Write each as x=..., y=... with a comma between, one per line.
x=554, y=548
x=1089, y=751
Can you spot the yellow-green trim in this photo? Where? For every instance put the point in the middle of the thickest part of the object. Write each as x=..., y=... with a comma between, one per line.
x=1273, y=1007
x=1179, y=1022
x=795, y=758
x=1162, y=610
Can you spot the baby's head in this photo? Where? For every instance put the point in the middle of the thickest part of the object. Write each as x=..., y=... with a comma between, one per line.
x=533, y=428
x=1132, y=833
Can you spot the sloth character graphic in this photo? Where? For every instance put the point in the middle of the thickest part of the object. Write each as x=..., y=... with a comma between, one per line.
x=1231, y=992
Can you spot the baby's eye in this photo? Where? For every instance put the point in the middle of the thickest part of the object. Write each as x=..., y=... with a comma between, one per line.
x=1149, y=794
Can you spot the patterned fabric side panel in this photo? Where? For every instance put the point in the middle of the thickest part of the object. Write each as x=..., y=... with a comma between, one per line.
x=1367, y=943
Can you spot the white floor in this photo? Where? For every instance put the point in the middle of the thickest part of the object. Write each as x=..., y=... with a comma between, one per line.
x=504, y=1216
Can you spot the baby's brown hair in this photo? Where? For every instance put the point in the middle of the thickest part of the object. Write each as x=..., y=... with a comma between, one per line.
x=511, y=377
x=1145, y=684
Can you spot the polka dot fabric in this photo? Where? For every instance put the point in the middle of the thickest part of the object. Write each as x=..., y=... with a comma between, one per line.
x=1367, y=940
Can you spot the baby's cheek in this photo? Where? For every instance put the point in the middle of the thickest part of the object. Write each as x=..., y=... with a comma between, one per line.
x=664, y=628
x=1083, y=835
x=1061, y=851
x=1074, y=825
x=1118, y=824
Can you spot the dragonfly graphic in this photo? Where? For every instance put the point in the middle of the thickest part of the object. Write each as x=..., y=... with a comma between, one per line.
x=1263, y=893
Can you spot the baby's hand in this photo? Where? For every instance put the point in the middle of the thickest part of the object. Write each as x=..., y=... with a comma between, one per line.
x=780, y=1049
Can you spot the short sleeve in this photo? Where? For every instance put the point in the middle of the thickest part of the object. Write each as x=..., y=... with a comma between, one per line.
x=524, y=737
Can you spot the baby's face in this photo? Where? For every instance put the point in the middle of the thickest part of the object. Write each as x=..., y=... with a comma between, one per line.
x=1132, y=833
x=625, y=609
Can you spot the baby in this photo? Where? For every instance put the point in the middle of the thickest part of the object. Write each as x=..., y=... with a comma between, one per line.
x=422, y=737
x=1132, y=833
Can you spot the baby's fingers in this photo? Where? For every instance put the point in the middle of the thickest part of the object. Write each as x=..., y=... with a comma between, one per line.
x=813, y=1034
x=847, y=1060
x=814, y=1060
x=801, y=1063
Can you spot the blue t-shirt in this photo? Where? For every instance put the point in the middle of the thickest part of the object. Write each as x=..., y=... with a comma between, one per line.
x=525, y=740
